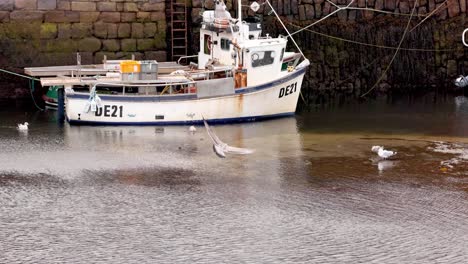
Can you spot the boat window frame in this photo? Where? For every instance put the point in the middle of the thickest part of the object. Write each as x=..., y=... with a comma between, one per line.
x=262, y=62
x=225, y=44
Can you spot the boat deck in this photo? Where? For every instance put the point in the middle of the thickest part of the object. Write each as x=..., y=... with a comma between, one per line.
x=91, y=70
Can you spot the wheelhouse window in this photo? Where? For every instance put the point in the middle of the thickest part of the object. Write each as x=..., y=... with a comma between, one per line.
x=207, y=44
x=262, y=58
x=225, y=44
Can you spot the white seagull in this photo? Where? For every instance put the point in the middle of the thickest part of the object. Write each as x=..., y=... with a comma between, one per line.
x=23, y=127
x=384, y=154
x=221, y=148
x=192, y=129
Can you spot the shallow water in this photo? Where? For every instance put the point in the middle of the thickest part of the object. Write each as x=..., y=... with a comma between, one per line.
x=313, y=192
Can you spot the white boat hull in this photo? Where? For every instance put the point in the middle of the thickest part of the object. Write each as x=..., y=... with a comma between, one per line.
x=273, y=99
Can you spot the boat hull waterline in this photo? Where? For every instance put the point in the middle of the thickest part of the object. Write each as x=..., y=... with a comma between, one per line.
x=274, y=99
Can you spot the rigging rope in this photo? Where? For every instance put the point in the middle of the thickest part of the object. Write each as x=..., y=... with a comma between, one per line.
x=396, y=52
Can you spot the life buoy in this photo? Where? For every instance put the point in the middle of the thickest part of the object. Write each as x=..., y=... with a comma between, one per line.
x=209, y=43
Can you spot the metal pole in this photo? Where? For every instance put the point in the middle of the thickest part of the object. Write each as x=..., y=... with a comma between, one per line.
x=61, y=105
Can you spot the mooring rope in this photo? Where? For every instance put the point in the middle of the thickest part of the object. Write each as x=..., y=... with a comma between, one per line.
x=430, y=14
x=31, y=85
x=396, y=52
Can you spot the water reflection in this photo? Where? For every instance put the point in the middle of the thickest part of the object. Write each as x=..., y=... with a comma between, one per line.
x=312, y=192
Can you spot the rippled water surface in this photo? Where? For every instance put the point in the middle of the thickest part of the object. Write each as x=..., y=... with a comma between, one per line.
x=313, y=192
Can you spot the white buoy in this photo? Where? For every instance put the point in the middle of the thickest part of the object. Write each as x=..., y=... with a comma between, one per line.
x=384, y=154
x=192, y=129
x=23, y=127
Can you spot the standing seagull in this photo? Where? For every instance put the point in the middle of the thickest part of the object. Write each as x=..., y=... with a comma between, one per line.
x=220, y=148
x=384, y=154
x=23, y=127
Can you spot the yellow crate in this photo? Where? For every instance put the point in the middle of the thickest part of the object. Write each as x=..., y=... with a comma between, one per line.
x=130, y=66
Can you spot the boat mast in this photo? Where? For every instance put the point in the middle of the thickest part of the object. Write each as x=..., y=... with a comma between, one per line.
x=239, y=11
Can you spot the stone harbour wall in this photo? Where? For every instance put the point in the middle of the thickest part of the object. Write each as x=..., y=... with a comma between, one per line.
x=50, y=32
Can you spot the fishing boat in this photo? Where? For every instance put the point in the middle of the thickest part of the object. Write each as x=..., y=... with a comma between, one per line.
x=240, y=74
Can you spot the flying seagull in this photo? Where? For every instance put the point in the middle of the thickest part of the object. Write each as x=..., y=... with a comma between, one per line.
x=384, y=154
x=23, y=127
x=221, y=148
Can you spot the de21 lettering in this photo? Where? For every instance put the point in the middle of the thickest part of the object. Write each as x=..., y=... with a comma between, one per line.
x=285, y=91
x=110, y=111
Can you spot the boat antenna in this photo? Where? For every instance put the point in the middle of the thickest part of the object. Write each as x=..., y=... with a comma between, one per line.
x=287, y=31
x=239, y=10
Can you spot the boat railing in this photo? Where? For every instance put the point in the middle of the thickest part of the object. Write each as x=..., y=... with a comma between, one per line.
x=186, y=58
x=152, y=88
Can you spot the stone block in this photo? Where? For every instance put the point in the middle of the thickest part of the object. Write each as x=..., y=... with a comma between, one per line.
x=196, y=18
x=128, y=17
x=7, y=5
x=149, y=30
x=89, y=16
x=62, y=16
x=162, y=27
x=294, y=7
x=20, y=30
x=158, y=16
x=307, y=2
x=379, y=4
x=279, y=6
x=137, y=30
x=63, y=5
x=48, y=31
x=422, y=11
x=431, y=5
x=112, y=30
x=309, y=12
x=462, y=6
x=318, y=10
x=153, y=7
x=46, y=4
x=318, y=2
x=197, y=3
x=326, y=9
x=4, y=16
x=81, y=30
x=110, y=45
x=25, y=4
x=390, y=5
x=145, y=44
x=120, y=7
x=143, y=16
x=404, y=7
x=64, y=31
x=453, y=8
x=128, y=55
x=128, y=45
x=99, y=56
x=352, y=15
x=124, y=30
x=83, y=6
x=26, y=16
x=111, y=17
x=156, y=55
x=362, y=3
x=107, y=6
x=63, y=45
x=100, y=30
x=130, y=7
x=287, y=7
x=89, y=44
x=302, y=15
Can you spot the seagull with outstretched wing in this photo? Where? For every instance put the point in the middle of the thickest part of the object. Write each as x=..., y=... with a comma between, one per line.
x=221, y=148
